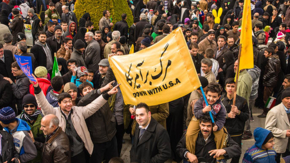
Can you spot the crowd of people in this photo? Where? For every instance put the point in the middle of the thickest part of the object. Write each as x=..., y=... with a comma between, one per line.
x=80, y=116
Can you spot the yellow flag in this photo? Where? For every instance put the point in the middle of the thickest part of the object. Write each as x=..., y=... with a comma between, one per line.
x=247, y=56
x=158, y=74
x=132, y=49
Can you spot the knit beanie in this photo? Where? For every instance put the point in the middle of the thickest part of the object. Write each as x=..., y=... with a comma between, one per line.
x=146, y=42
x=69, y=86
x=79, y=44
x=29, y=99
x=57, y=27
x=270, y=135
x=280, y=35
x=7, y=115
x=40, y=71
x=285, y=93
x=122, y=40
x=81, y=71
x=31, y=10
x=20, y=36
x=7, y=38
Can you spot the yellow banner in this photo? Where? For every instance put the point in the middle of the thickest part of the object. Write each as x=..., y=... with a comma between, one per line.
x=247, y=56
x=158, y=74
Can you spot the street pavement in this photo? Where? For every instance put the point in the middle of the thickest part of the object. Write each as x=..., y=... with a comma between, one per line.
x=257, y=122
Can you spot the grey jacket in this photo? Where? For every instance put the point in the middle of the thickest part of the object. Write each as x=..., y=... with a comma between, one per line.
x=93, y=55
x=78, y=57
x=20, y=88
x=255, y=74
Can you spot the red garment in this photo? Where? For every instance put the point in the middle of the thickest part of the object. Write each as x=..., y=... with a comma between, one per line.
x=267, y=38
x=44, y=84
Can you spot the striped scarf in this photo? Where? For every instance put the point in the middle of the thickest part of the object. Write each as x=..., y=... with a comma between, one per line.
x=29, y=118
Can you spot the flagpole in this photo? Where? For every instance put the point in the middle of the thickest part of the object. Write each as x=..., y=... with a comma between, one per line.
x=237, y=75
x=205, y=100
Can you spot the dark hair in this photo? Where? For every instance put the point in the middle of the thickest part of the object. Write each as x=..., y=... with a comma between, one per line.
x=105, y=12
x=209, y=53
x=231, y=36
x=235, y=23
x=223, y=37
x=266, y=14
x=84, y=85
x=91, y=71
x=194, y=34
x=209, y=14
x=88, y=23
x=71, y=61
x=205, y=118
x=120, y=50
x=214, y=88
x=63, y=22
x=116, y=160
x=67, y=39
x=259, y=25
x=49, y=24
x=143, y=105
x=124, y=16
x=230, y=81
x=193, y=45
x=160, y=25
x=62, y=96
x=57, y=83
x=166, y=29
x=98, y=32
x=154, y=12
x=15, y=65
x=1, y=46
x=51, y=4
x=118, y=45
x=207, y=61
x=205, y=28
x=287, y=77
x=41, y=33
x=270, y=50
x=284, y=25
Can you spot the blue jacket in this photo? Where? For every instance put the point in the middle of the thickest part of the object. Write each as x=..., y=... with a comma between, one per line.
x=18, y=142
x=77, y=81
x=52, y=98
x=256, y=154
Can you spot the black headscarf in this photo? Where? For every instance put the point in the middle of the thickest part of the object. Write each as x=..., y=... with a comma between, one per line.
x=137, y=11
x=80, y=35
x=160, y=10
x=173, y=19
x=185, y=15
x=104, y=35
x=62, y=62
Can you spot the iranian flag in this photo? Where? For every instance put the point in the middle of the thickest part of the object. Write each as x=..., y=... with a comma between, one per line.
x=55, y=70
x=270, y=102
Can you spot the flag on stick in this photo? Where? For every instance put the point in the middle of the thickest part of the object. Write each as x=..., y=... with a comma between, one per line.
x=55, y=70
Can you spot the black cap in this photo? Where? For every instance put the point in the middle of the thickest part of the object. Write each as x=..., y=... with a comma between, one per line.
x=79, y=44
x=20, y=36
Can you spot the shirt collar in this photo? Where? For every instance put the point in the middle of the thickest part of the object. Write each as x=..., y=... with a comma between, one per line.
x=287, y=110
x=145, y=127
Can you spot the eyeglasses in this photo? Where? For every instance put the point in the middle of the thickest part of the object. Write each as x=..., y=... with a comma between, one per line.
x=31, y=106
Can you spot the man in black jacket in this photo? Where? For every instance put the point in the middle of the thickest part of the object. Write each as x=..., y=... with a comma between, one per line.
x=206, y=149
x=5, y=93
x=122, y=26
x=22, y=51
x=236, y=114
x=101, y=124
x=42, y=52
x=6, y=59
x=54, y=42
x=140, y=26
x=8, y=151
x=151, y=141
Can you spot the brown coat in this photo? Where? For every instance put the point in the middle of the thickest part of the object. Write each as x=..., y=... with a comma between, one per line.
x=17, y=25
x=78, y=117
x=204, y=44
x=203, y=5
x=56, y=149
x=61, y=53
x=159, y=113
x=160, y=37
x=209, y=23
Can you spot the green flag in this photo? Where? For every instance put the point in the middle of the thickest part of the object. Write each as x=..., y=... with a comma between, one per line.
x=55, y=70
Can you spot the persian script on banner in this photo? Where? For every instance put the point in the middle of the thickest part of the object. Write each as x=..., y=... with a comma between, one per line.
x=158, y=74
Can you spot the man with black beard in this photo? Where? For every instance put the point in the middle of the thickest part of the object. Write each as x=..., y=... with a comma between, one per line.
x=205, y=148
x=56, y=40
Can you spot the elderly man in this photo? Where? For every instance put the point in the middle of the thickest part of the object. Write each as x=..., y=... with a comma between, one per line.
x=100, y=75
x=68, y=15
x=116, y=38
x=56, y=147
x=22, y=51
x=140, y=26
x=92, y=53
x=208, y=42
x=277, y=121
x=72, y=119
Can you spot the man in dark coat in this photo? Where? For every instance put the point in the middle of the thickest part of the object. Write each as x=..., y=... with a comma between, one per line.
x=42, y=52
x=22, y=51
x=177, y=8
x=68, y=15
x=132, y=32
x=5, y=93
x=140, y=26
x=92, y=53
x=122, y=26
x=151, y=140
x=152, y=5
x=17, y=25
x=6, y=59
x=54, y=42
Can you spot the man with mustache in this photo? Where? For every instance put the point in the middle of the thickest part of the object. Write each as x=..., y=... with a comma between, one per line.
x=202, y=146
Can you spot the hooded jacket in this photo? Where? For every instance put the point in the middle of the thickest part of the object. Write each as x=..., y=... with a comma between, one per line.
x=23, y=143
x=272, y=70
x=258, y=8
x=69, y=33
x=256, y=154
x=20, y=88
